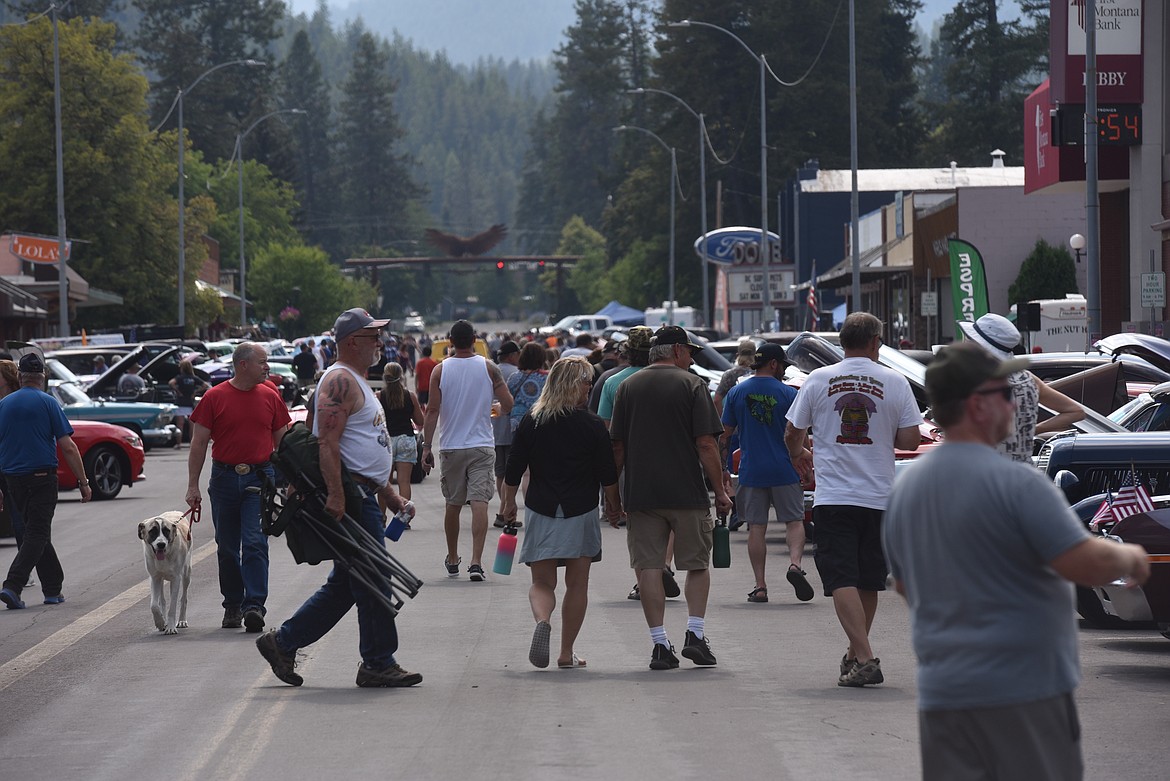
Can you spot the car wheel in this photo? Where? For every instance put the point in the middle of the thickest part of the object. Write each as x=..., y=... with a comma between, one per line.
x=1090, y=608
x=104, y=467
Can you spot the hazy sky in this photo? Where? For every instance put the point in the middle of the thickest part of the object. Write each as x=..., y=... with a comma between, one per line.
x=932, y=11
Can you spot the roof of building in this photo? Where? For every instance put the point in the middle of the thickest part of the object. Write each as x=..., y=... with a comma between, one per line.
x=913, y=179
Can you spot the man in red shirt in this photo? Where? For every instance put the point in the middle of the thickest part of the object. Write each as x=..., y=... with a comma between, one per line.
x=245, y=419
x=422, y=378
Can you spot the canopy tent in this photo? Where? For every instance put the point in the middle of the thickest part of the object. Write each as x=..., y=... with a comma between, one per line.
x=622, y=314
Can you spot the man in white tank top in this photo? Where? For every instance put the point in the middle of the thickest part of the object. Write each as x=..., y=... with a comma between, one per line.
x=350, y=429
x=461, y=393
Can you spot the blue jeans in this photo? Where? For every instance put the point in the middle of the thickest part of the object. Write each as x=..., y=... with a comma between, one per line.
x=34, y=498
x=377, y=632
x=243, y=548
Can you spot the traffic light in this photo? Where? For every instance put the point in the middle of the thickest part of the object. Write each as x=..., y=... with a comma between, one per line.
x=540, y=264
x=499, y=265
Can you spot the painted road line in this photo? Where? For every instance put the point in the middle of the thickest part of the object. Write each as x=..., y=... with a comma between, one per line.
x=67, y=636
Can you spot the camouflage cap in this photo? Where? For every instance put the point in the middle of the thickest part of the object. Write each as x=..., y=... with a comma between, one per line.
x=638, y=338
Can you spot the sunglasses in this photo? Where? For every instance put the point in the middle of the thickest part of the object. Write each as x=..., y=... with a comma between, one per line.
x=1005, y=391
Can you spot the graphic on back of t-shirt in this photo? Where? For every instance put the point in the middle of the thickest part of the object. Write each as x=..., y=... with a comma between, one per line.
x=760, y=406
x=856, y=405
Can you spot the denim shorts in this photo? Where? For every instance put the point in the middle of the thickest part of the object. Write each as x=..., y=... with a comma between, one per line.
x=405, y=449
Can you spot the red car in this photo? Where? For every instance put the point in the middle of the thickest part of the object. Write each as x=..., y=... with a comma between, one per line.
x=112, y=457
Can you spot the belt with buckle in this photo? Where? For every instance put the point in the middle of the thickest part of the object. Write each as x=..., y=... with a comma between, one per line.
x=367, y=482
x=240, y=469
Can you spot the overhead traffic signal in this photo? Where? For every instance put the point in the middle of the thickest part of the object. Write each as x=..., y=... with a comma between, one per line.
x=499, y=265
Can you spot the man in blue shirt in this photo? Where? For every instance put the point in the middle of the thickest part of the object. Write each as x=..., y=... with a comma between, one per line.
x=757, y=407
x=32, y=426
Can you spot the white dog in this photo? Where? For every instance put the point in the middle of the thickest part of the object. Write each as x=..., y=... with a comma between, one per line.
x=166, y=544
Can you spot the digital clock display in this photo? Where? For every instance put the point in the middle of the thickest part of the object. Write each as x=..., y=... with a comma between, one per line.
x=1117, y=125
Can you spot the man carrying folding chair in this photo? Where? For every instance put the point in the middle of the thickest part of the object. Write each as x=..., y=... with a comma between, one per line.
x=351, y=430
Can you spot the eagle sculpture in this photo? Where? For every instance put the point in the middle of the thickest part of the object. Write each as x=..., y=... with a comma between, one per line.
x=459, y=246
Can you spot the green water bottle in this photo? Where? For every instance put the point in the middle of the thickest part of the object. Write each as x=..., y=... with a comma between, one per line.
x=721, y=544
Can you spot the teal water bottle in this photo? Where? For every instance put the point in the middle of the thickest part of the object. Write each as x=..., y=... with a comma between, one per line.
x=721, y=544
x=505, y=551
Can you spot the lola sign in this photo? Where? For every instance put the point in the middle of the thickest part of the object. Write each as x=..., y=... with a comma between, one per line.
x=37, y=249
x=737, y=246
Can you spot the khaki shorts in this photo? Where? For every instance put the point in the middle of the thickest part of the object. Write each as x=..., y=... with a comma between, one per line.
x=647, y=533
x=467, y=475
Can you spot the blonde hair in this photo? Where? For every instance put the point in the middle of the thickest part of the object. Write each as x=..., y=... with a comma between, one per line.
x=393, y=394
x=562, y=393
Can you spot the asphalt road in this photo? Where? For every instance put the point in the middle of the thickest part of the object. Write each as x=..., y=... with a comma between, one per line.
x=90, y=690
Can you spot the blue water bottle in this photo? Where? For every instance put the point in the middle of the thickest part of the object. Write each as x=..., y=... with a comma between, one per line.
x=399, y=522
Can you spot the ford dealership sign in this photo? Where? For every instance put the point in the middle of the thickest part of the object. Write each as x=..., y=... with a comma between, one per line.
x=737, y=246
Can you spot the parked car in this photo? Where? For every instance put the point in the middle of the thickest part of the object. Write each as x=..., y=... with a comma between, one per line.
x=1148, y=412
x=576, y=324
x=413, y=323
x=151, y=422
x=112, y=457
x=808, y=352
x=1098, y=462
x=1151, y=600
x=1091, y=604
x=158, y=365
x=79, y=360
x=1135, y=369
x=1152, y=349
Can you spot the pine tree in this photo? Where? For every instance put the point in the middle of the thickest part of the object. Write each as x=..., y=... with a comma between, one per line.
x=377, y=187
x=996, y=64
x=303, y=86
x=179, y=40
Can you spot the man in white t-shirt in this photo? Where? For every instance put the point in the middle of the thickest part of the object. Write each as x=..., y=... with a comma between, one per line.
x=859, y=411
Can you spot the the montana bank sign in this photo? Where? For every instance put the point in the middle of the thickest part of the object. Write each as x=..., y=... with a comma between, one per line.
x=1119, y=50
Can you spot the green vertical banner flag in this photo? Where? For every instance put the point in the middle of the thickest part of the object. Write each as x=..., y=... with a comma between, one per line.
x=968, y=282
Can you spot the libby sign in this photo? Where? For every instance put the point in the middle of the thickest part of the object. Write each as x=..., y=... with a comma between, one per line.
x=737, y=246
x=37, y=249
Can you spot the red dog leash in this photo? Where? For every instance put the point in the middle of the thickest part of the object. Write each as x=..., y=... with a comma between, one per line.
x=194, y=512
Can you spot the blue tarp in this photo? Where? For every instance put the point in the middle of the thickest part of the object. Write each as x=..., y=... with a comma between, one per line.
x=622, y=314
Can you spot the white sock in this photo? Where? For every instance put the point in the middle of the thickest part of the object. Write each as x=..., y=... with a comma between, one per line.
x=658, y=636
x=695, y=626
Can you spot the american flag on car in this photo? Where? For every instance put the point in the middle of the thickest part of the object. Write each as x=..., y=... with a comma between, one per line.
x=1131, y=498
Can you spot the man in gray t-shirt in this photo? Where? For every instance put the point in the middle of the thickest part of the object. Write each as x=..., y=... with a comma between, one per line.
x=982, y=549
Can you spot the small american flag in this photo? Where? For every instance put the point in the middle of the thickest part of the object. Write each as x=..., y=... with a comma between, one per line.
x=1130, y=499
x=812, y=307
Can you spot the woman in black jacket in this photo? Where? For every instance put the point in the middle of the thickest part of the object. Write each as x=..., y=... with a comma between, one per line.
x=568, y=454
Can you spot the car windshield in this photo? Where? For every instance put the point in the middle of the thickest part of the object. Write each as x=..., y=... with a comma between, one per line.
x=1124, y=412
x=60, y=371
x=565, y=323
x=69, y=393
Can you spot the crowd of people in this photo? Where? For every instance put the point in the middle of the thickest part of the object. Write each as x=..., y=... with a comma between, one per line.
x=625, y=431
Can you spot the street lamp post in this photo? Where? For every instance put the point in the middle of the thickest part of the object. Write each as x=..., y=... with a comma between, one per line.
x=240, y=155
x=702, y=190
x=673, y=179
x=178, y=103
x=63, y=280
x=765, y=249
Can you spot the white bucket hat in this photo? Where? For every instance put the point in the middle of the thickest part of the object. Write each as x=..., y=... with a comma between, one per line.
x=993, y=332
